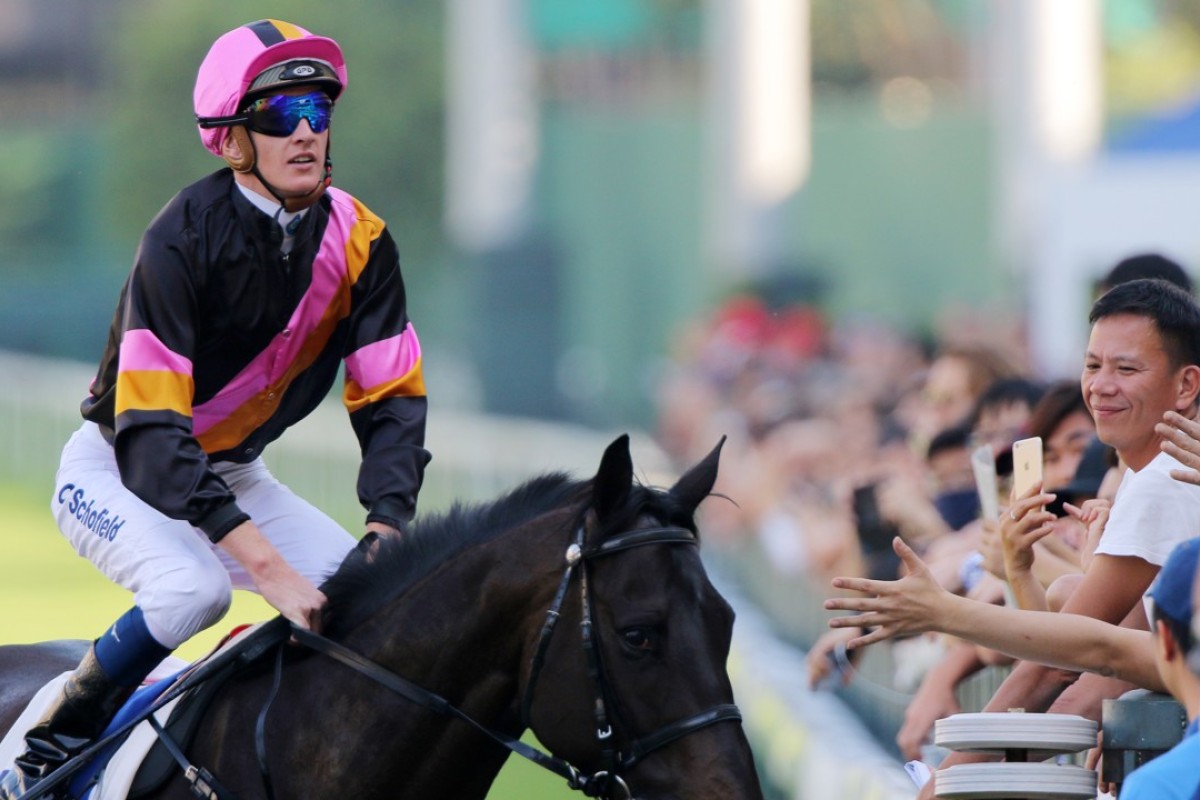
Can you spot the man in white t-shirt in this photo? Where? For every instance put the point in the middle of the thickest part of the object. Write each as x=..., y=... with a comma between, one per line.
x=1150, y=501
x=1142, y=361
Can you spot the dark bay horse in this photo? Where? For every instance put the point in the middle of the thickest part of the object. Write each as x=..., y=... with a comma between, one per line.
x=578, y=609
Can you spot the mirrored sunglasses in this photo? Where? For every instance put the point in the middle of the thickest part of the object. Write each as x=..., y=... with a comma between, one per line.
x=280, y=114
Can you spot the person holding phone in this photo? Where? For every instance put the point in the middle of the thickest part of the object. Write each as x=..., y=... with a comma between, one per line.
x=1142, y=361
x=1061, y=419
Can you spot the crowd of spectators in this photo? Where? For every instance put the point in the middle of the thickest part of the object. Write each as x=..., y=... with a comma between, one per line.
x=844, y=435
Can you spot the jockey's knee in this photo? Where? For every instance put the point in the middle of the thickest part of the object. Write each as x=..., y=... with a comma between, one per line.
x=1060, y=589
x=186, y=603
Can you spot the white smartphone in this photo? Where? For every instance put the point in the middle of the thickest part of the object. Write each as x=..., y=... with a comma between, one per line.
x=1027, y=464
x=983, y=464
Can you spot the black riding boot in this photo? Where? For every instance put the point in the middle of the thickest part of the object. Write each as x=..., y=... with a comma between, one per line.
x=88, y=702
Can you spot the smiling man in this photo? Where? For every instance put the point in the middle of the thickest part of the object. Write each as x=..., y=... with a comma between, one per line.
x=250, y=291
x=1142, y=361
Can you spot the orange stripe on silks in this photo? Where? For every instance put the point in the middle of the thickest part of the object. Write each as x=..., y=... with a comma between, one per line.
x=287, y=29
x=233, y=430
x=359, y=227
x=367, y=228
x=250, y=415
x=140, y=390
x=411, y=384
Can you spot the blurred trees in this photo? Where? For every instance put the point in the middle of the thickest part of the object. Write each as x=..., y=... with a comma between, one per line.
x=95, y=107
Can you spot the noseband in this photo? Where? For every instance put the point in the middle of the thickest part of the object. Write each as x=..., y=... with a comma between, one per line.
x=608, y=783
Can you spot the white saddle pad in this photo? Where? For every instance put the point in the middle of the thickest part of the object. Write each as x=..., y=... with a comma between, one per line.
x=118, y=775
x=122, y=767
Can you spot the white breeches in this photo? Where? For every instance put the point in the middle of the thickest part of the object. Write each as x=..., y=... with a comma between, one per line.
x=181, y=581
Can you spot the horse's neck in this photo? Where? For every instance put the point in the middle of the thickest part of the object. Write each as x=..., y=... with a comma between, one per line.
x=476, y=603
x=462, y=633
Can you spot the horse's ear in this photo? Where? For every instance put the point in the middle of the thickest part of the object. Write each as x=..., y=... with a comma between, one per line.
x=697, y=483
x=614, y=479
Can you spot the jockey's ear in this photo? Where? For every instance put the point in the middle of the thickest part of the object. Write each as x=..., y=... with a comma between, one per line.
x=697, y=483
x=610, y=489
x=238, y=149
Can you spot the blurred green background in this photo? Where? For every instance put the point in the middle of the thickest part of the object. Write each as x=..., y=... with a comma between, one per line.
x=577, y=315
x=574, y=315
x=571, y=319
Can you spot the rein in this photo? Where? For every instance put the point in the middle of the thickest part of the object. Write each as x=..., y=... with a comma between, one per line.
x=201, y=782
x=430, y=701
x=606, y=783
x=609, y=781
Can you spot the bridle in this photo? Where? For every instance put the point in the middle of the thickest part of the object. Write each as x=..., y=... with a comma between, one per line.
x=607, y=783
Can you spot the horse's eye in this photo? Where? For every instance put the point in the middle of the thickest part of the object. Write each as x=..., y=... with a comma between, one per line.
x=640, y=639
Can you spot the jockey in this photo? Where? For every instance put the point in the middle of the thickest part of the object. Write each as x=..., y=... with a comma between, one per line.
x=249, y=291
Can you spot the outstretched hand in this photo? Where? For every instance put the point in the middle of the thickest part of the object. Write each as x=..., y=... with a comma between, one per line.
x=1181, y=440
x=909, y=605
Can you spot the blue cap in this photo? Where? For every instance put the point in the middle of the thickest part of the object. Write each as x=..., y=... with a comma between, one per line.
x=1172, y=589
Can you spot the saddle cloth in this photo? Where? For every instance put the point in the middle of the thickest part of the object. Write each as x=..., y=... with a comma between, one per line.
x=117, y=775
x=112, y=773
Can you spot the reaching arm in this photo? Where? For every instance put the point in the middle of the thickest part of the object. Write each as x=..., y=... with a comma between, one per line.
x=915, y=604
x=289, y=592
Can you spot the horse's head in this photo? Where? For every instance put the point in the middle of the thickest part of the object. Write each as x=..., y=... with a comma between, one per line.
x=633, y=683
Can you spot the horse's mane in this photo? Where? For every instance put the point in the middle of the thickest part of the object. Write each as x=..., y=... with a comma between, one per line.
x=364, y=583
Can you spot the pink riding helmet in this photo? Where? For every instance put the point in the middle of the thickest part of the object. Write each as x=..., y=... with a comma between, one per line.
x=237, y=58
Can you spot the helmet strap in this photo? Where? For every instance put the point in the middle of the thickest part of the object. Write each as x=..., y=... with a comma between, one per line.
x=247, y=162
x=304, y=201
